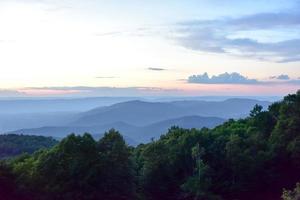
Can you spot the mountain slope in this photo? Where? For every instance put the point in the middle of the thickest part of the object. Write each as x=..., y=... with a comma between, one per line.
x=155, y=130
x=141, y=113
x=230, y=108
x=96, y=131
x=133, y=134
x=142, y=121
x=132, y=112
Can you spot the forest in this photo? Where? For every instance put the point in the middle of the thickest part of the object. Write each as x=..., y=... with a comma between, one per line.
x=257, y=157
x=12, y=144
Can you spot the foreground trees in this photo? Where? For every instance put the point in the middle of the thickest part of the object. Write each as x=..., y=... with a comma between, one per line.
x=252, y=158
x=78, y=168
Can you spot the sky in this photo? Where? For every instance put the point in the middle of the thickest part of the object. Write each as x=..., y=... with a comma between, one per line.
x=138, y=48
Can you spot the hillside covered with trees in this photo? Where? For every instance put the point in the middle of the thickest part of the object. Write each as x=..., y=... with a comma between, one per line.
x=12, y=144
x=251, y=158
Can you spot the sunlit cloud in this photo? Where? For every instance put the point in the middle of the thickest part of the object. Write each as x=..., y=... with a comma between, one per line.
x=225, y=78
x=236, y=78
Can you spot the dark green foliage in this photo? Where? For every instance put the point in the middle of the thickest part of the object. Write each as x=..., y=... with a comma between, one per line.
x=12, y=144
x=8, y=190
x=78, y=168
x=252, y=158
x=117, y=174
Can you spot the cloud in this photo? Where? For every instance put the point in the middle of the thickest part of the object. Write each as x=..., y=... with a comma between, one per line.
x=106, y=77
x=156, y=69
x=265, y=21
x=141, y=31
x=10, y=93
x=233, y=36
x=236, y=78
x=283, y=77
x=112, y=33
x=250, y=22
x=86, y=91
x=182, y=79
x=225, y=78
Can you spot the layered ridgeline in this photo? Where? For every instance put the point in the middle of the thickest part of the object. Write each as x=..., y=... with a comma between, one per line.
x=251, y=158
x=132, y=134
x=140, y=121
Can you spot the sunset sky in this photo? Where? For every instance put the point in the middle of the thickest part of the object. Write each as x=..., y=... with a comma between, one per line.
x=134, y=47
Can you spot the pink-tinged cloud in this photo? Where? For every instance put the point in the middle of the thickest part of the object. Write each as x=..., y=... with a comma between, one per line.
x=47, y=92
x=234, y=89
x=170, y=90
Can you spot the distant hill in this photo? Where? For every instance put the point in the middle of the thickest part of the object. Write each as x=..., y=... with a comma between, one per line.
x=12, y=144
x=132, y=112
x=138, y=120
x=132, y=134
x=62, y=131
x=141, y=113
x=36, y=105
x=155, y=130
x=10, y=122
x=230, y=108
x=35, y=113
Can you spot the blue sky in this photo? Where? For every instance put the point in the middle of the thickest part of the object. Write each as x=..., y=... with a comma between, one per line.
x=208, y=47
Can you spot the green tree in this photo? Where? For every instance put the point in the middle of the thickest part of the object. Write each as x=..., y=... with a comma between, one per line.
x=117, y=175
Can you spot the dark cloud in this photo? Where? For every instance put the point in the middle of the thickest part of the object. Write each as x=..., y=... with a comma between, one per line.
x=156, y=69
x=225, y=78
x=216, y=36
x=182, y=79
x=280, y=77
x=283, y=77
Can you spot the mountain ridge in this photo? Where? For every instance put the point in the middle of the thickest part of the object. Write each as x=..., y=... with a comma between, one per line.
x=134, y=133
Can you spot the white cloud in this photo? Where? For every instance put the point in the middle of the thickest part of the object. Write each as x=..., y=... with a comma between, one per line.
x=225, y=78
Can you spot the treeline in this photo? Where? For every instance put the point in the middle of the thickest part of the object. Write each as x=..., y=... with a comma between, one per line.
x=252, y=158
x=12, y=144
